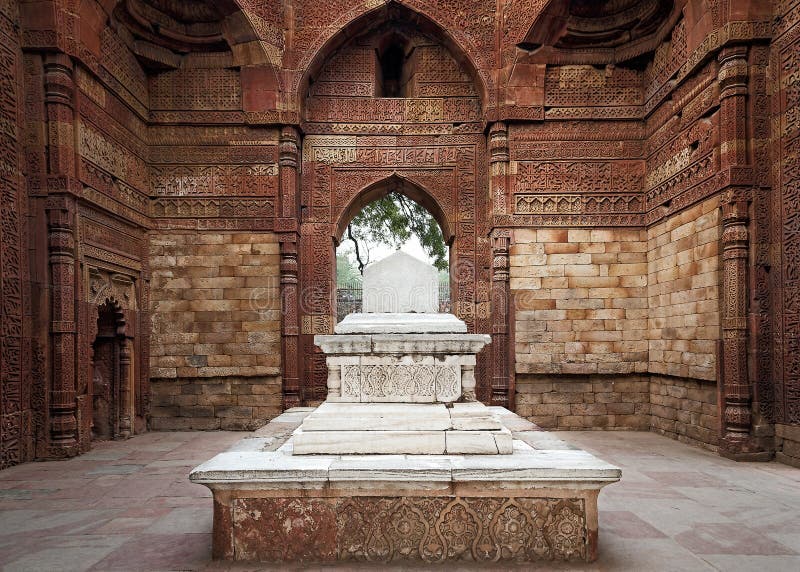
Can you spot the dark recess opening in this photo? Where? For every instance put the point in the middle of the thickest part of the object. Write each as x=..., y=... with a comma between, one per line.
x=392, y=61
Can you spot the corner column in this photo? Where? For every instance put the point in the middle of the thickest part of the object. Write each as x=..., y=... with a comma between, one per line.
x=59, y=87
x=736, y=388
x=287, y=226
x=736, y=439
x=61, y=248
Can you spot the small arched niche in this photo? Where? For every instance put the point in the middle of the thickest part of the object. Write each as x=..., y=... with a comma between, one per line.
x=110, y=385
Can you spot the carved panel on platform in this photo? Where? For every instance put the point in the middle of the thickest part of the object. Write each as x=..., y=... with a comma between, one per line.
x=425, y=529
x=395, y=381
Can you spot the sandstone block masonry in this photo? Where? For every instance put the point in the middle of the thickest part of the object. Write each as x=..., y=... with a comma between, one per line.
x=215, y=346
x=618, y=328
x=683, y=292
x=581, y=300
x=787, y=444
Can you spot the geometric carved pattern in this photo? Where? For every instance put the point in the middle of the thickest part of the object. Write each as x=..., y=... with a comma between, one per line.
x=418, y=529
x=585, y=177
x=13, y=408
x=789, y=80
x=387, y=381
x=215, y=180
x=211, y=89
x=202, y=208
x=567, y=204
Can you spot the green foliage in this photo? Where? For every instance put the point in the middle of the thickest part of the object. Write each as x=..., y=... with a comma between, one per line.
x=392, y=220
x=346, y=271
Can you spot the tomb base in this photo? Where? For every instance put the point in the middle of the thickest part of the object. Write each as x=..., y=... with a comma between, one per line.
x=539, y=503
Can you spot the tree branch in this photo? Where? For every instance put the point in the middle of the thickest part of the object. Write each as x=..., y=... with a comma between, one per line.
x=350, y=236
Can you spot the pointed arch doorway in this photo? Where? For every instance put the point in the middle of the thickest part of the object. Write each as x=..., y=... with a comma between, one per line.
x=318, y=243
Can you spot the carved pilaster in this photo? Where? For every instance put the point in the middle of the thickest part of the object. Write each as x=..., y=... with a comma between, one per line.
x=502, y=378
x=288, y=160
x=59, y=94
x=733, y=77
x=289, y=266
x=59, y=97
x=502, y=382
x=290, y=329
x=736, y=440
x=61, y=247
x=124, y=430
x=498, y=167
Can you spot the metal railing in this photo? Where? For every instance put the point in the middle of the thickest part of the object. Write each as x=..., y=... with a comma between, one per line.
x=349, y=297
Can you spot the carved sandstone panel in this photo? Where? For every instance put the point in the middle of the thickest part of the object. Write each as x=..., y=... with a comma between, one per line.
x=787, y=219
x=14, y=408
x=422, y=529
x=199, y=89
x=390, y=380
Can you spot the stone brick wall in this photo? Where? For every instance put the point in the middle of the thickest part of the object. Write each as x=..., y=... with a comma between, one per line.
x=618, y=328
x=585, y=402
x=685, y=409
x=580, y=300
x=215, y=346
x=683, y=290
x=230, y=403
x=787, y=444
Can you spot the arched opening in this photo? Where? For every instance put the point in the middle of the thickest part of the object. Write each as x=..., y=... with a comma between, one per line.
x=109, y=385
x=359, y=59
x=391, y=215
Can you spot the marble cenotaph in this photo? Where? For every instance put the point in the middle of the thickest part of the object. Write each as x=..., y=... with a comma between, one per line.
x=401, y=462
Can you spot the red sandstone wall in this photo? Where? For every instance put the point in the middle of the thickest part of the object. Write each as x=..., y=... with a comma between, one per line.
x=580, y=300
x=684, y=293
x=782, y=400
x=122, y=141
x=16, y=439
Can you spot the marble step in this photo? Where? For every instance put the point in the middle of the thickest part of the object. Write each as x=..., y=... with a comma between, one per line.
x=402, y=443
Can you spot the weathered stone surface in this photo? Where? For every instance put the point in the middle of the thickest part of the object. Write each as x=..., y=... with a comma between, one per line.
x=388, y=428
x=378, y=417
x=369, y=442
x=401, y=283
x=399, y=323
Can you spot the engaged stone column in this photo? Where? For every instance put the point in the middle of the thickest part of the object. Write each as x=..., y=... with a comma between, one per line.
x=61, y=244
x=288, y=227
x=736, y=440
x=124, y=386
x=502, y=380
x=60, y=207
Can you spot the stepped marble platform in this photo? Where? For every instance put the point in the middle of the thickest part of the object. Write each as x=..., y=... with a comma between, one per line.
x=402, y=428
x=538, y=503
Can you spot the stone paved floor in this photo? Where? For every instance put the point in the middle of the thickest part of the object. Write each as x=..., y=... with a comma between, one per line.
x=128, y=506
